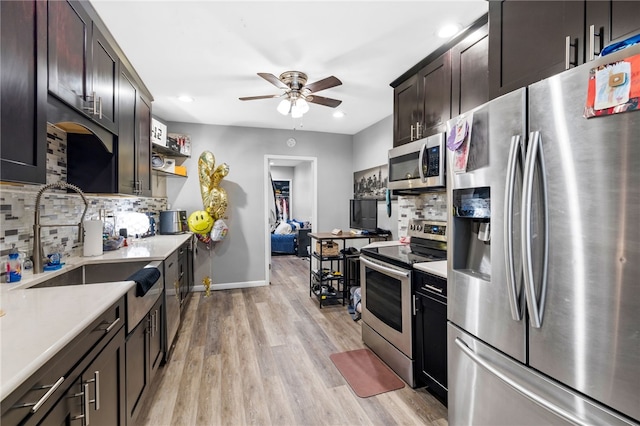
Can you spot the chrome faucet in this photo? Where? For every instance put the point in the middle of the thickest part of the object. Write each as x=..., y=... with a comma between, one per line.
x=38, y=252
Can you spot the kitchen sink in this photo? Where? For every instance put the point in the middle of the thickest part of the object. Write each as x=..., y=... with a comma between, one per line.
x=137, y=306
x=93, y=274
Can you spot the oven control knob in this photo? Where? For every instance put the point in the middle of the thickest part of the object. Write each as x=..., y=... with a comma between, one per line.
x=419, y=227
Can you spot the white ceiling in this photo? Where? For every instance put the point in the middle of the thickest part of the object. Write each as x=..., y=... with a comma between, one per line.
x=212, y=50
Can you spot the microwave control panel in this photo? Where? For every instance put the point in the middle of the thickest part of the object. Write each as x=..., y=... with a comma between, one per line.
x=431, y=162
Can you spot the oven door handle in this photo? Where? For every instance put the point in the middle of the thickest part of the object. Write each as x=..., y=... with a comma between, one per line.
x=381, y=268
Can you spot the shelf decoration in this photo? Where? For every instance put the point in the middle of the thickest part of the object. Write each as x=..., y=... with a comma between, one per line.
x=180, y=143
x=214, y=197
x=158, y=132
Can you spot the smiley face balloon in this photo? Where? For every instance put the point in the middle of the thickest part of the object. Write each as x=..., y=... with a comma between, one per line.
x=200, y=222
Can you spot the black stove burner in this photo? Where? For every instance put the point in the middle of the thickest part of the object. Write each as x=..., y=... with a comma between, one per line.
x=405, y=255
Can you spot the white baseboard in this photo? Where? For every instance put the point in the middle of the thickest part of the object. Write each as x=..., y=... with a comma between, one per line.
x=230, y=286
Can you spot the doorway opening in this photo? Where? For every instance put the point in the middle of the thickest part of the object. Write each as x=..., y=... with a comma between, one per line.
x=302, y=172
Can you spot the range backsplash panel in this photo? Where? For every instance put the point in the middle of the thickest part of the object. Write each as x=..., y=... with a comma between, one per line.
x=429, y=206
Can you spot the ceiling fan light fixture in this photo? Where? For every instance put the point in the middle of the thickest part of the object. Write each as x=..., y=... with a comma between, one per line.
x=299, y=108
x=284, y=107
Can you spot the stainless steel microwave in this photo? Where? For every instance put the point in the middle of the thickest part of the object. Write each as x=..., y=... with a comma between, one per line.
x=418, y=166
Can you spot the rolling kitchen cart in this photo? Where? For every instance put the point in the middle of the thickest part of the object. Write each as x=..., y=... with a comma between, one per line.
x=329, y=277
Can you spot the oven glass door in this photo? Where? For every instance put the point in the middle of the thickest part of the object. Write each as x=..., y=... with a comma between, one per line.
x=386, y=302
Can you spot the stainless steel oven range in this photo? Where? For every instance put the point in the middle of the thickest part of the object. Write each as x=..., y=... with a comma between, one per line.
x=387, y=296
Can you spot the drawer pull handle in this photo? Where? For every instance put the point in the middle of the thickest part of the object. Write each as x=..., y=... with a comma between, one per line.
x=113, y=324
x=35, y=406
x=432, y=288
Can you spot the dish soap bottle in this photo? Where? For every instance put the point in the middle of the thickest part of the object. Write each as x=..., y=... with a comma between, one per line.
x=14, y=266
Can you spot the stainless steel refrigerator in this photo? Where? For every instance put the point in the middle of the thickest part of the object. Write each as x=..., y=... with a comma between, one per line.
x=544, y=260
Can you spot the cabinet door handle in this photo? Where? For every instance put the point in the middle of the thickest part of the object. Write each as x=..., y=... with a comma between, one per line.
x=93, y=109
x=100, y=108
x=592, y=41
x=176, y=286
x=415, y=309
x=96, y=386
x=85, y=403
x=155, y=321
x=418, y=134
x=85, y=396
x=567, y=53
x=411, y=135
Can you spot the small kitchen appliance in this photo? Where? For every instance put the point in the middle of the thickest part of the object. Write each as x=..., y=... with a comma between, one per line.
x=173, y=222
x=418, y=166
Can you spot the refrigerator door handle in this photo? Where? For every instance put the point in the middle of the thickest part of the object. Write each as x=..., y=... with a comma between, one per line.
x=514, y=154
x=513, y=383
x=534, y=156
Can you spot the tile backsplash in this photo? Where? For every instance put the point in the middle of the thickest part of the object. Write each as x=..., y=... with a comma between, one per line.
x=430, y=206
x=17, y=206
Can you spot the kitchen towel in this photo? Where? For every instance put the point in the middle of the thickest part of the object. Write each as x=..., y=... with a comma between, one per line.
x=145, y=278
x=92, y=238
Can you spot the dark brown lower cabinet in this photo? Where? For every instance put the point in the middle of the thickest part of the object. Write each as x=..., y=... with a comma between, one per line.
x=144, y=353
x=430, y=349
x=96, y=397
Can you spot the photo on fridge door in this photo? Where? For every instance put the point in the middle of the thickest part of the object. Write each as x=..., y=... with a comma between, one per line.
x=613, y=88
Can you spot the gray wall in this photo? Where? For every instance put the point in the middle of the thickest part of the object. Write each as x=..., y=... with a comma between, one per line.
x=370, y=149
x=239, y=260
x=302, y=193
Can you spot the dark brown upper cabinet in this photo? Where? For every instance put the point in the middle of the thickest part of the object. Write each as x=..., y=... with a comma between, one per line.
x=470, y=72
x=451, y=80
x=533, y=40
x=421, y=104
x=434, y=92
x=23, y=91
x=608, y=22
x=134, y=139
x=83, y=67
x=405, y=111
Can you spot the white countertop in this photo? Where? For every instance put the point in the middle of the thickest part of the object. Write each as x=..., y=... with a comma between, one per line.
x=39, y=322
x=383, y=244
x=438, y=267
x=158, y=247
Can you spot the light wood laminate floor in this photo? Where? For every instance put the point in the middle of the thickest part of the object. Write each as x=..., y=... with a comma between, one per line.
x=260, y=356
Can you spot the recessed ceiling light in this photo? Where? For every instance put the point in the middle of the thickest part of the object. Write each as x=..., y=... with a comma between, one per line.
x=185, y=98
x=338, y=114
x=448, y=30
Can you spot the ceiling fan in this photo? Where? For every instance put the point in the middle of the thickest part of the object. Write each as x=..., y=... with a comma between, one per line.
x=297, y=92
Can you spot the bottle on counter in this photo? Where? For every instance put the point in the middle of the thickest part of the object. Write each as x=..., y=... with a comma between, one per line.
x=14, y=266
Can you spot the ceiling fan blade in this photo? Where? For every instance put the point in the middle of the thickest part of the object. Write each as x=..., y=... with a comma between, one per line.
x=273, y=80
x=321, y=100
x=252, y=98
x=323, y=84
